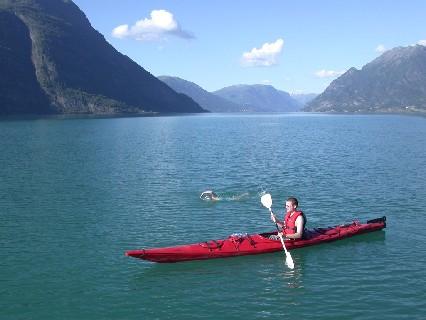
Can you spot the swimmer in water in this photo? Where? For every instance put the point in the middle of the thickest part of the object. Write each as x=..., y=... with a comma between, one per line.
x=209, y=195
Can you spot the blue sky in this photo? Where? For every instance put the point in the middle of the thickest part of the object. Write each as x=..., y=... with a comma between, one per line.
x=296, y=46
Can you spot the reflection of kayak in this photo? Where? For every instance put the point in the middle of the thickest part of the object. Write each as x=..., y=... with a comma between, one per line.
x=243, y=244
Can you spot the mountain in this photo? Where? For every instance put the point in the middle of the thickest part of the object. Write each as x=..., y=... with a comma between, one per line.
x=259, y=98
x=303, y=98
x=53, y=61
x=393, y=82
x=204, y=98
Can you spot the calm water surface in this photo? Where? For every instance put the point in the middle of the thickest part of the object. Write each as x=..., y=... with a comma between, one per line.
x=76, y=193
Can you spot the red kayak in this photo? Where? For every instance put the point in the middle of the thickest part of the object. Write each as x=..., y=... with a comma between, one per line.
x=244, y=244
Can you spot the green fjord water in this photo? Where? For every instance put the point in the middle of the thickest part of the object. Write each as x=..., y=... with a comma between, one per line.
x=76, y=193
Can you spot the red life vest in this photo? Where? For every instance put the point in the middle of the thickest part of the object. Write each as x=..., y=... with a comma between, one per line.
x=290, y=222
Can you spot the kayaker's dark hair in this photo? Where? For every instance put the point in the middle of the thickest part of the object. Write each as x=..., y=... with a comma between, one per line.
x=294, y=201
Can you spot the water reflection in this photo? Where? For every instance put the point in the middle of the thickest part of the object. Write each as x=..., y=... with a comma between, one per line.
x=294, y=277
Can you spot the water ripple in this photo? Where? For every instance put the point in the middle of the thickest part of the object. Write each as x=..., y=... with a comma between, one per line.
x=75, y=194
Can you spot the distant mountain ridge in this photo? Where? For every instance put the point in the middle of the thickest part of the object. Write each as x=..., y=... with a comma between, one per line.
x=53, y=61
x=238, y=98
x=259, y=98
x=205, y=99
x=393, y=82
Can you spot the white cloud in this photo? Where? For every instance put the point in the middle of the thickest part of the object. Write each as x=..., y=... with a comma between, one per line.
x=266, y=56
x=380, y=48
x=422, y=42
x=160, y=24
x=121, y=31
x=328, y=73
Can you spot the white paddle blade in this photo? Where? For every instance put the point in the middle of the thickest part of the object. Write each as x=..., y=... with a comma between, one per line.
x=266, y=200
x=289, y=260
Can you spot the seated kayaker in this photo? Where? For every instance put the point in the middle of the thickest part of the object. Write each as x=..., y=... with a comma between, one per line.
x=209, y=195
x=294, y=221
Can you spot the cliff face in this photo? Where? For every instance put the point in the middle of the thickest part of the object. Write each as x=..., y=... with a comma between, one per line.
x=76, y=69
x=20, y=91
x=394, y=82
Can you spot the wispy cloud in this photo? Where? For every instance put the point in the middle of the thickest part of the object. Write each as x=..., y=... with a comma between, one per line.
x=422, y=42
x=266, y=56
x=329, y=73
x=380, y=48
x=160, y=25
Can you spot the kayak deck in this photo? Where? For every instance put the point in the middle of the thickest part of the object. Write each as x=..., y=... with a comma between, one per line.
x=240, y=245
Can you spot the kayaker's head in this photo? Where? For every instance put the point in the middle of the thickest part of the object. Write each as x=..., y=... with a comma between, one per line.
x=291, y=204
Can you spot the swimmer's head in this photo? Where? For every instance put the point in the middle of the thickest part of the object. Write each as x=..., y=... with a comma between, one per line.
x=209, y=195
